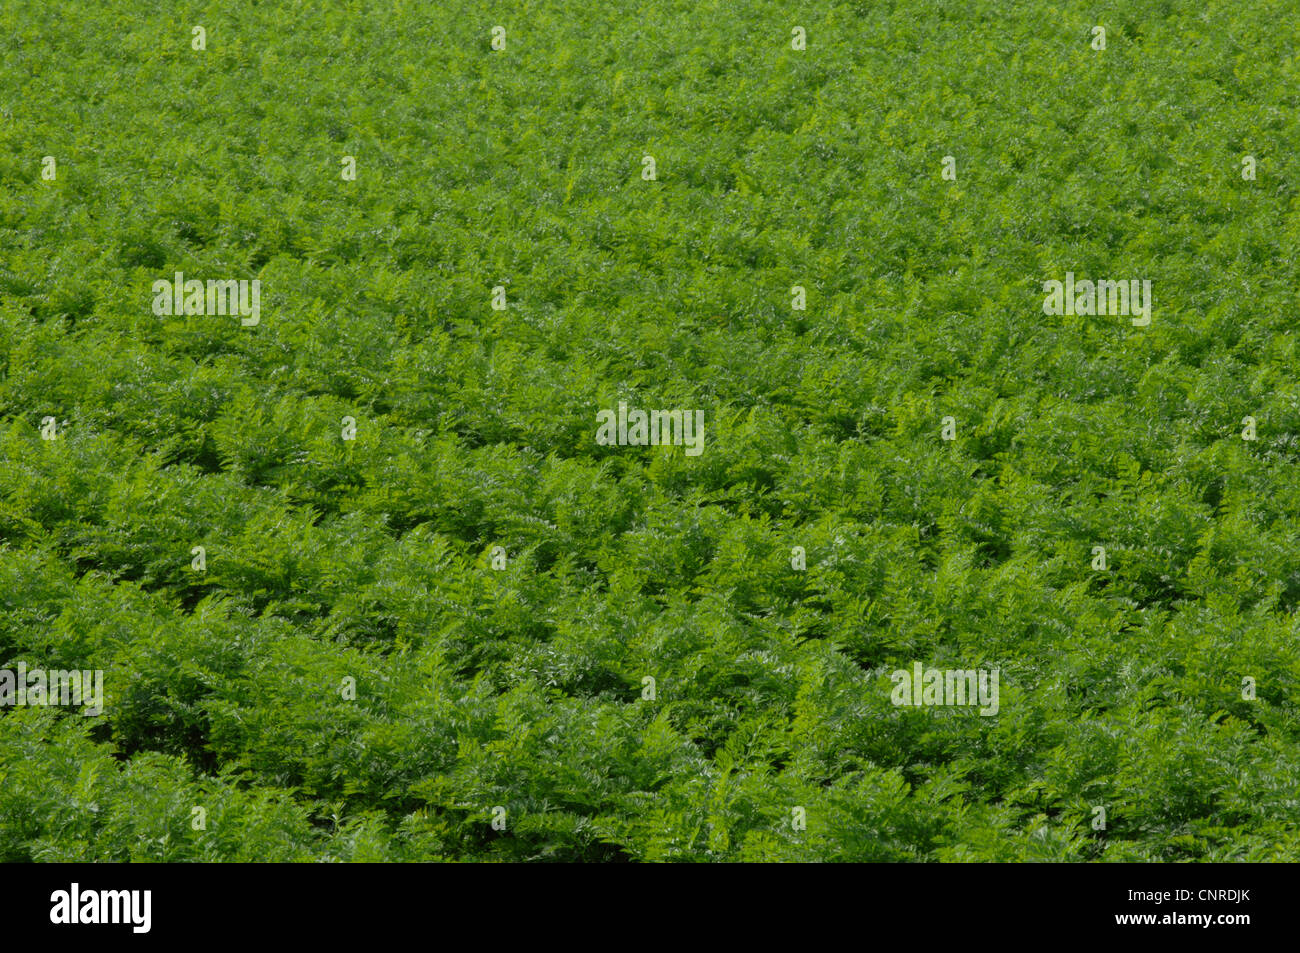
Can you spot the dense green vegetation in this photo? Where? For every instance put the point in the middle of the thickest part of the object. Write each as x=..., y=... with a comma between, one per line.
x=522, y=688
